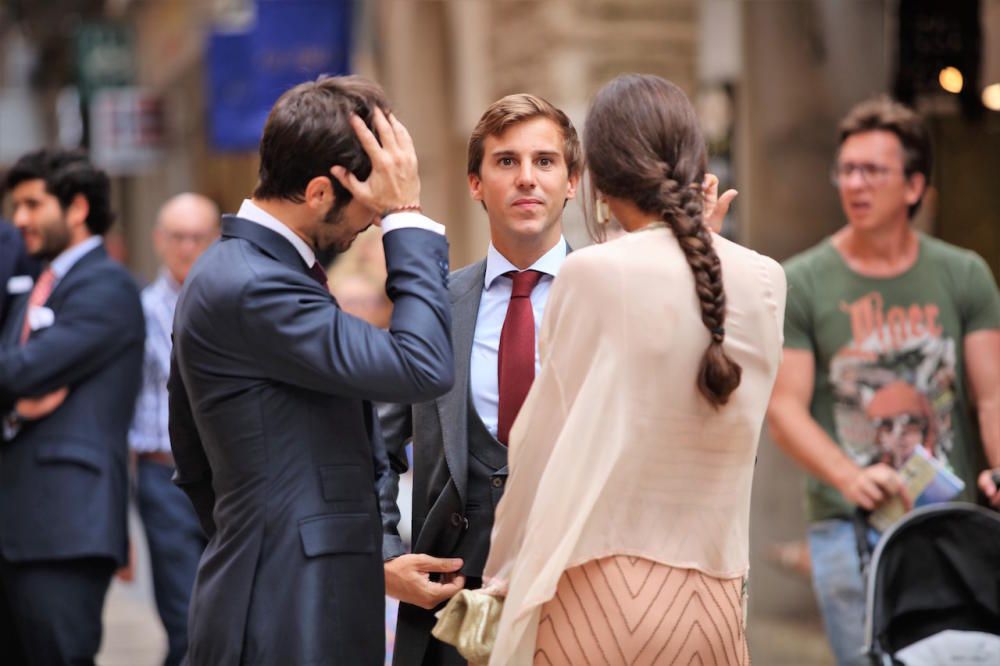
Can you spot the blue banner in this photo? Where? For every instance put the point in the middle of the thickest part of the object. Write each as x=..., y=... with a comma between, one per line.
x=290, y=42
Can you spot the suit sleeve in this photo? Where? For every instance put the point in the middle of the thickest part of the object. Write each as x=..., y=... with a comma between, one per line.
x=397, y=428
x=94, y=325
x=193, y=474
x=298, y=335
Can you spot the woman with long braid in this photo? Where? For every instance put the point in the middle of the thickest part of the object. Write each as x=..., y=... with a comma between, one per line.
x=622, y=537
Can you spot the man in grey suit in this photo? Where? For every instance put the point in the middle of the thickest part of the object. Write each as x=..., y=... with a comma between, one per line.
x=273, y=435
x=524, y=165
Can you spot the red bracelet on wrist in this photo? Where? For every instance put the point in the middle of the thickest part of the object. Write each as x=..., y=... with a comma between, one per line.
x=411, y=208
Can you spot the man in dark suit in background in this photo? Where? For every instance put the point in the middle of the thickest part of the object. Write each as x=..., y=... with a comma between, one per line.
x=524, y=165
x=273, y=436
x=74, y=341
x=14, y=263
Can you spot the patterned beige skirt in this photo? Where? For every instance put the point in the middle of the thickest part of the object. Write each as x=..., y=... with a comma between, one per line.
x=628, y=610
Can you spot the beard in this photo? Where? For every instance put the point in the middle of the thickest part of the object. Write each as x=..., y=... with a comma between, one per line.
x=54, y=239
x=328, y=241
x=334, y=236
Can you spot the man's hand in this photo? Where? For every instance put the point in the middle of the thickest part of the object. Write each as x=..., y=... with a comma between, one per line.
x=988, y=484
x=407, y=579
x=32, y=409
x=126, y=574
x=716, y=207
x=394, y=181
x=874, y=485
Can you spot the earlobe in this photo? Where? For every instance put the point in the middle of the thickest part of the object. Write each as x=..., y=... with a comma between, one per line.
x=319, y=192
x=917, y=188
x=79, y=209
x=475, y=187
x=571, y=186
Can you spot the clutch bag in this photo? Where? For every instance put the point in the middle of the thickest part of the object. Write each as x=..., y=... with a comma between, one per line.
x=469, y=622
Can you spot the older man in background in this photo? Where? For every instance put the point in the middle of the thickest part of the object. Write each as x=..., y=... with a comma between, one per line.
x=186, y=225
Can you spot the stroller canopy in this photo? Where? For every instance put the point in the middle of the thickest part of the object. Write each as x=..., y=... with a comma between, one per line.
x=935, y=570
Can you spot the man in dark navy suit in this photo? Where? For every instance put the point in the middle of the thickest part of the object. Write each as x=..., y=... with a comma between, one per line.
x=71, y=345
x=274, y=438
x=14, y=263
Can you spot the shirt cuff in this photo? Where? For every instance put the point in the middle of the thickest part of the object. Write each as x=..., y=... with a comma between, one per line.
x=11, y=425
x=392, y=547
x=409, y=220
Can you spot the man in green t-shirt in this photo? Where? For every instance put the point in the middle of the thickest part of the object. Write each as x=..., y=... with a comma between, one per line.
x=892, y=342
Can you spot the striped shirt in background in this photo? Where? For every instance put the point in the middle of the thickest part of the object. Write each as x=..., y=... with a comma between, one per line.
x=149, y=432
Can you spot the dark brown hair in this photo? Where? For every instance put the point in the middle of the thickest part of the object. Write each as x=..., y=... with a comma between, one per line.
x=514, y=109
x=884, y=114
x=644, y=145
x=67, y=173
x=308, y=131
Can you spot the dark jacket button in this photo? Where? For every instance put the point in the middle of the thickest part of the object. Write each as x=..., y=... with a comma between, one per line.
x=497, y=482
x=456, y=520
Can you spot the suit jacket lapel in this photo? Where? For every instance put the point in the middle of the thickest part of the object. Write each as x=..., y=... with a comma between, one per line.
x=453, y=408
x=16, y=311
x=66, y=281
x=270, y=242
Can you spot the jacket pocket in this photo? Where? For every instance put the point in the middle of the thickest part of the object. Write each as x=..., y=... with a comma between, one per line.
x=69, y=452
x=338, y=533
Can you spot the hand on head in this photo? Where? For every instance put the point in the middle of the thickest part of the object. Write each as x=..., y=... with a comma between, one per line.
x=394, y=182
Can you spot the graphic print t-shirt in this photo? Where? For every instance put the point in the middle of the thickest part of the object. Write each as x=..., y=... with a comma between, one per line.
x=889, y=358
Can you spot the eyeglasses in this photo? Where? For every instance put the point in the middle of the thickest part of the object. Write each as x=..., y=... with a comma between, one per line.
x=871, y=174
x=178, y=237
x=901, y=424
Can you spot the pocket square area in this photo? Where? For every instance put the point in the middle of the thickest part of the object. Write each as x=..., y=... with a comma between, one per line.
x=40, y=317
x=19, y=284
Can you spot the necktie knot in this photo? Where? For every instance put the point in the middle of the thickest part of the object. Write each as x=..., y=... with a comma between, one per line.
x=317, y=273
x=524, y=282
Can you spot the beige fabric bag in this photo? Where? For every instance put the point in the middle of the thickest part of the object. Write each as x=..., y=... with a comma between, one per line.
x=469, y=622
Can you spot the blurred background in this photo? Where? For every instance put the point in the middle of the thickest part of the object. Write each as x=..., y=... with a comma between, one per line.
x=171, y=96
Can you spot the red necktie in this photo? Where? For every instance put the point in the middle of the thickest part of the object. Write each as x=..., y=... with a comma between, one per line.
x=318, y=274
x=39, y=294
x=516, y=357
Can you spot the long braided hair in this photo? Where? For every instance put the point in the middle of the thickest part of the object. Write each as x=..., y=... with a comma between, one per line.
x=643, y=144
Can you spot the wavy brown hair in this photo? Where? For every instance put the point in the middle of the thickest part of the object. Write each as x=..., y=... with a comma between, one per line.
x=643, y=144
x=518, y=108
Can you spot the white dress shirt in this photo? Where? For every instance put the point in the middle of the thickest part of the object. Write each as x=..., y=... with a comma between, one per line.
x=67, y=258
x=489, y=322
x=149, y=432
x=251, y=211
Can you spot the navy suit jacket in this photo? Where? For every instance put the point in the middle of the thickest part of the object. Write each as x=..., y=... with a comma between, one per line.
x=13, y=261
x=277, y=446
x=63, y=478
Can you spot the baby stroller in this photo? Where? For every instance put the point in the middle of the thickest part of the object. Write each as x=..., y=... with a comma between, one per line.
x=934, y=589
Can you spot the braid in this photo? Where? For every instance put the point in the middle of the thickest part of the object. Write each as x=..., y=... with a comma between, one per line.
x=681, y=208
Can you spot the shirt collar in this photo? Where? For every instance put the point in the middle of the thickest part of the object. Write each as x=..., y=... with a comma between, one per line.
x=548, y=263
x=68, y=257
x=168, y=281
x=251, y=211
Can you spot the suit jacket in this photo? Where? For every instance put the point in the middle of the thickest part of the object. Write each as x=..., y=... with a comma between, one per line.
x=278, y=448
x=13, y=261
x=440, y=433
x=63, y=478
